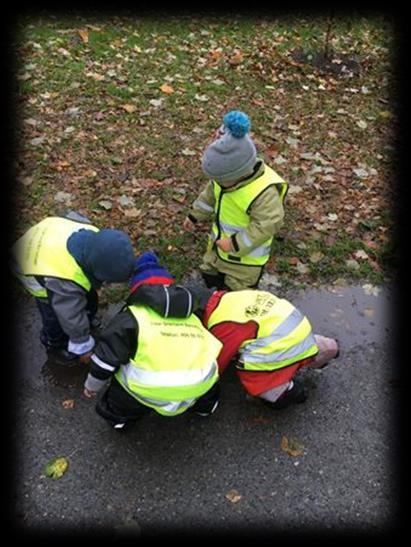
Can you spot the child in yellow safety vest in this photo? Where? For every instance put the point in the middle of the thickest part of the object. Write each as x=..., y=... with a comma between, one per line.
x=267, y=338
x=245, y=200
x=62, y=262
x=152, y=363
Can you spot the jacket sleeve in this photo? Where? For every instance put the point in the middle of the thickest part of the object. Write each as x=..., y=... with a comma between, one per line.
x=173, y=300
x=203, y=206
x=69, y=302
x=116, y=346
x=266, y=218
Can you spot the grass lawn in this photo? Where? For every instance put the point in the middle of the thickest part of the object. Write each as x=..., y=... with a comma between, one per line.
x=115, y=112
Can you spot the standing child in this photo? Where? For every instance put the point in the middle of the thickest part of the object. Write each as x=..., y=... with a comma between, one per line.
x=245, y=199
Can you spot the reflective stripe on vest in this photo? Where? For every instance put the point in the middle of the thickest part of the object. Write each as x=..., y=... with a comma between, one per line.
x=175, y=362
x=284, y=333
x=131, y=374
x=42, y=251
x=231, y=216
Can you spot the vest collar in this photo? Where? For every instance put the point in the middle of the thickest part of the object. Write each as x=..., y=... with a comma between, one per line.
x=258, y=171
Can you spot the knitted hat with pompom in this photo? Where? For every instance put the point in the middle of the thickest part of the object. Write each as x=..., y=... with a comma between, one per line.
x=147, y=271
x=233, y=155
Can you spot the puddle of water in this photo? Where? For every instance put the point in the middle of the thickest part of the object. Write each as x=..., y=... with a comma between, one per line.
x=354, y=314
x=31, y=360
x=63, y=375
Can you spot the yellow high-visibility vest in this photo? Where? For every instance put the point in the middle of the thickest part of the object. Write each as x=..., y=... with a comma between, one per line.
x=284, y=333
x=174, y=364
x=231, y=215
x=42, y=251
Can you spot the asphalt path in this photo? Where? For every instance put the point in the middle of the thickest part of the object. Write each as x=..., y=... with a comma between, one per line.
x=227, y=474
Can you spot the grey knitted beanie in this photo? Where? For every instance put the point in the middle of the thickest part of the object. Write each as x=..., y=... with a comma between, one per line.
x=233, y=155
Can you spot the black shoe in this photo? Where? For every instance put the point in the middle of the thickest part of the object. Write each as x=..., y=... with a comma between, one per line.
x=207, y=411
x=61, y=355
x=95, y=322
x=207, y=403
x=214, y=281
x=296, y=395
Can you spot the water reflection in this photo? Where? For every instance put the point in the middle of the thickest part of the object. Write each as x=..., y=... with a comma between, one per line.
x=67, y=375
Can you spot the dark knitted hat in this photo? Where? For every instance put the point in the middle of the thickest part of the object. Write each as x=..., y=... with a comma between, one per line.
x=147, y=270
x=107, y=254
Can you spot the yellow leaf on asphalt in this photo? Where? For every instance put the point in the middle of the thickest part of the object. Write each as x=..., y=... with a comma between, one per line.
x=129, y=108
x=56, y=468
x=165, y=88
x=83, y=35
x=233, y=496
x=68, y=403
x=368, y=312
x=291, y=446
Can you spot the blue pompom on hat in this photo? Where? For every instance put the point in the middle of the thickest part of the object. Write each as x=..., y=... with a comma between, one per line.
x=233, y=155
x=147, y=271
x=237, y=123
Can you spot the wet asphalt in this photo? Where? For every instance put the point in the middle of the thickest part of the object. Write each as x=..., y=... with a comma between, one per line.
x=226, y=474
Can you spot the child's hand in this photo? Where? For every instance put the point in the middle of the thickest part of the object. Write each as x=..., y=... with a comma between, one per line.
x=225, y=244
x=89, y=394
x=188, y=225
x=84, y=359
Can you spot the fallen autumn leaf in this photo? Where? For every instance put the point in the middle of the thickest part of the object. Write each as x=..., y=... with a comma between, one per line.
x=56, y=468
x=291, y=446
x=234, y=496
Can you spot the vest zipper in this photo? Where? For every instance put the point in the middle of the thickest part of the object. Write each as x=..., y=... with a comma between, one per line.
x=220, y=198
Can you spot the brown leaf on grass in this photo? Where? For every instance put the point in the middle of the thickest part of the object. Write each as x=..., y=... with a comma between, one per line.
x=215, y=55
x=234, y=496
x=361, y=254
x=130, y=108
x=291, y=446
x=272, y=151
x=133, y=212
x=95, y=76
x=237, y=58
x=316, y=256
x=83, y=35
x=68, y=403
x=89, y=173
x=60, y=165
x=165, y=88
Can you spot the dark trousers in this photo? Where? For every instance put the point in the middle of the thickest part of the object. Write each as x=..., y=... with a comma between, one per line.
x=117, y=406
x=51, y=334
x=218, y=281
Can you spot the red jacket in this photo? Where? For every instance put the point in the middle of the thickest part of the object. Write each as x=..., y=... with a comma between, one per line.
x=232, y=335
